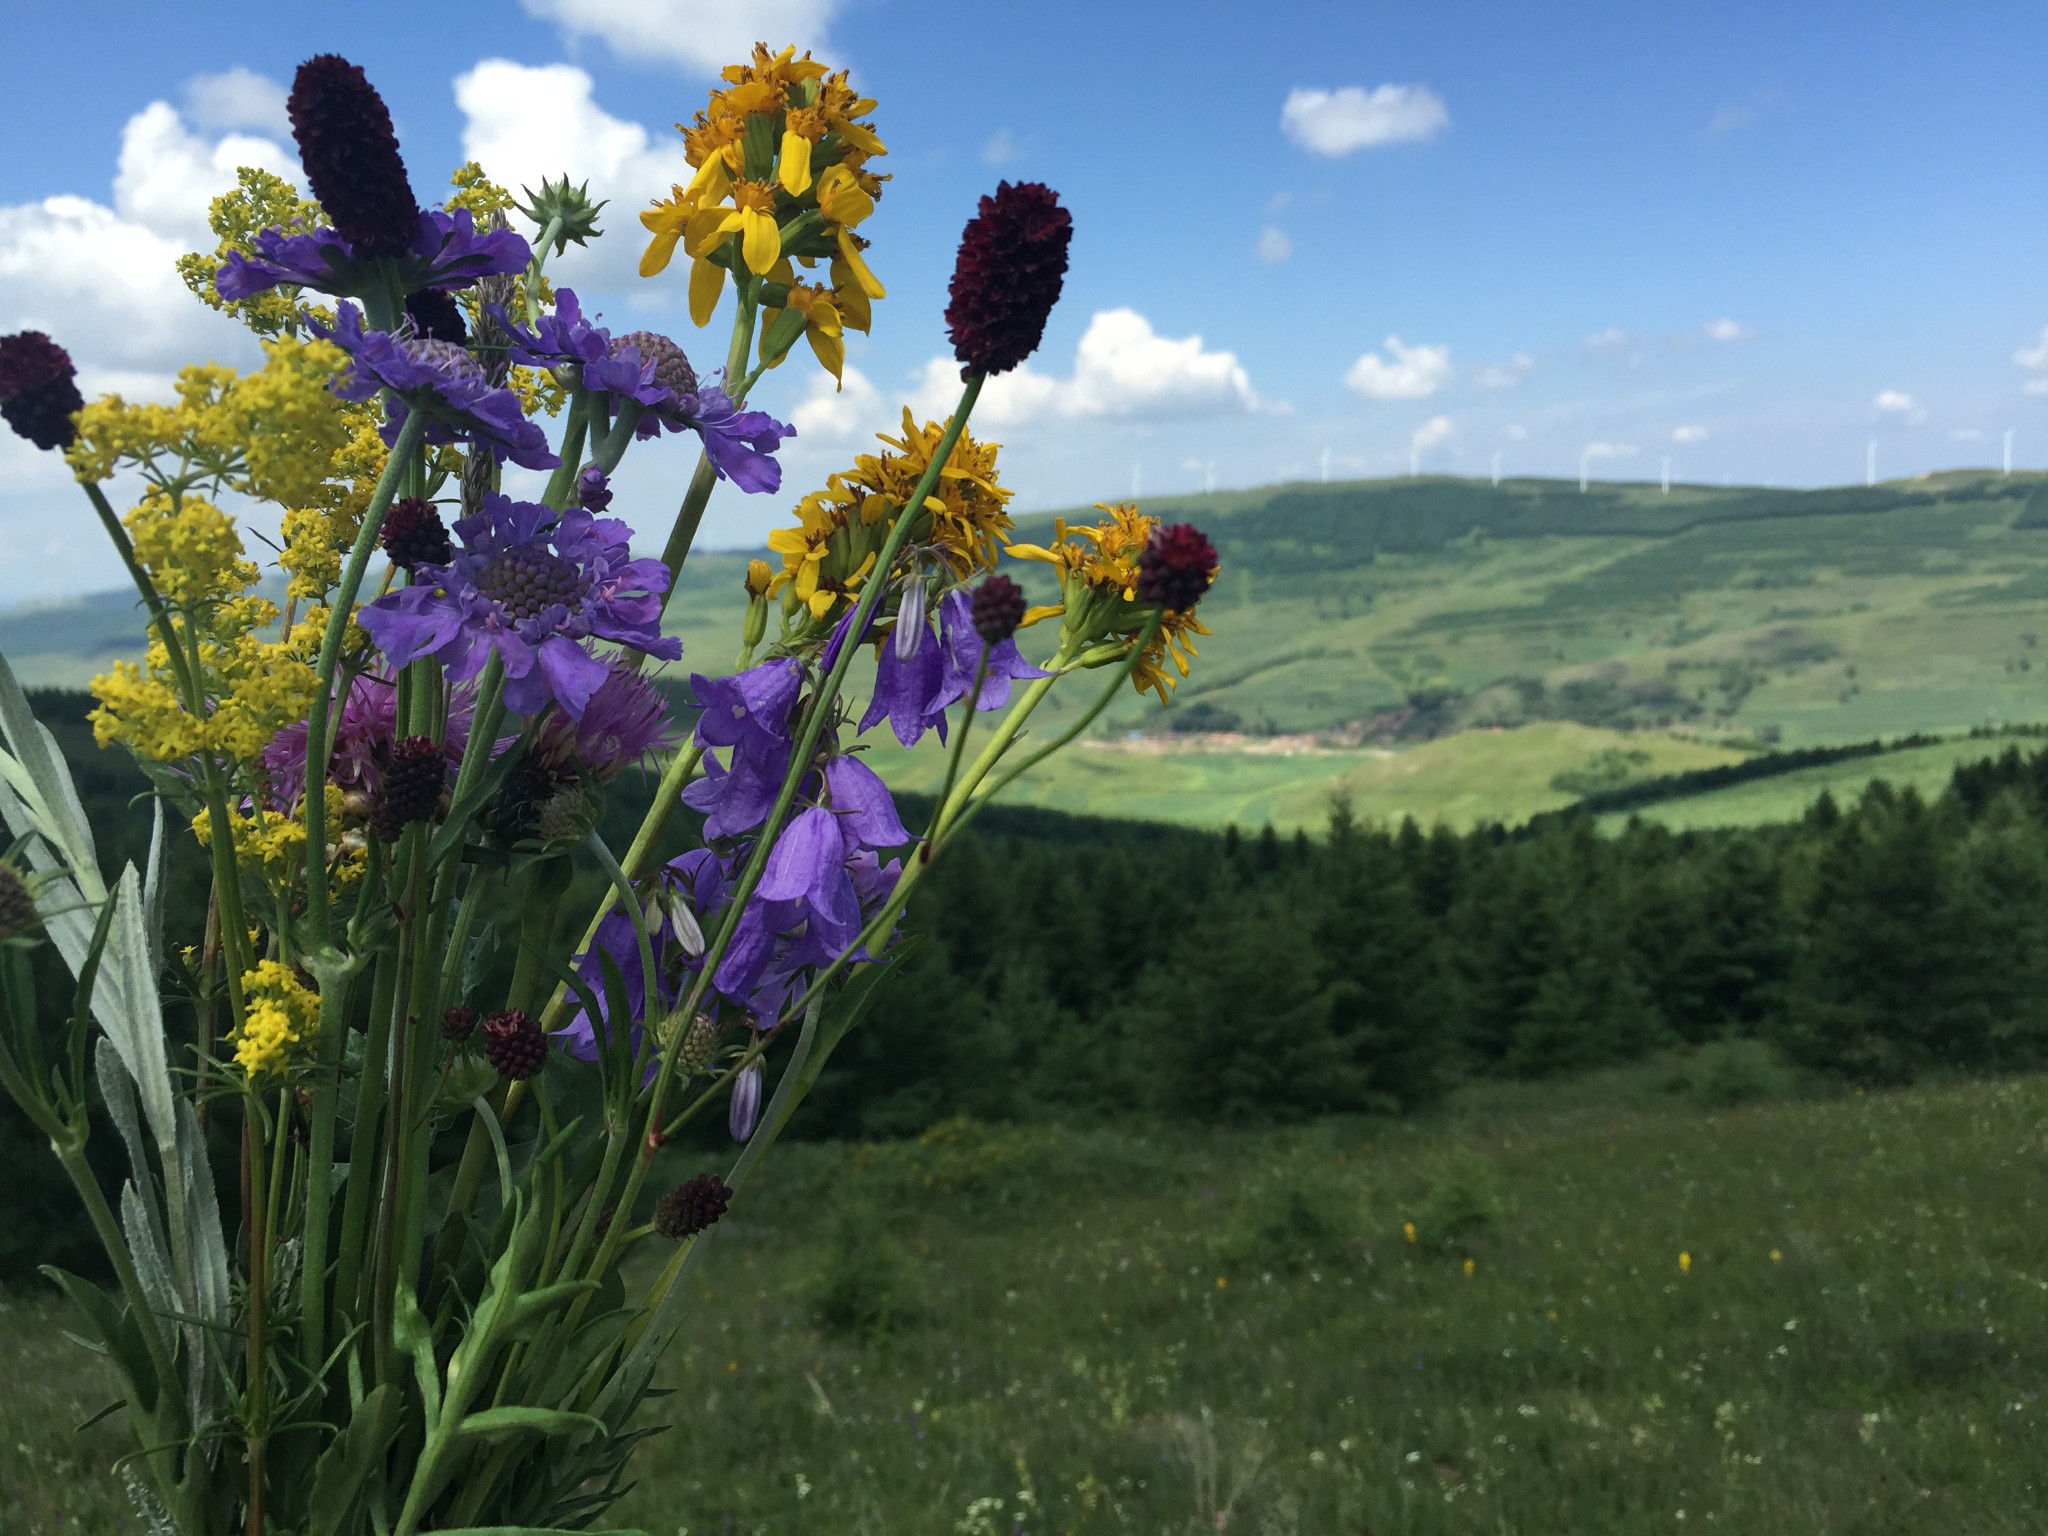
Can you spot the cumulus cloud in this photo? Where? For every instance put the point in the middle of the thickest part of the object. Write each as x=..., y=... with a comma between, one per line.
x=1504, y=375
x=1001, y=148
x=168, y=175
x=853, y=410
x=520, y=147
x=1517, y=433
x=1607, y=451
x=1404, y=373
x=238, y=98
x=1274, y=246
x=1123, y=370
x=1968, y=434
x=2035, y=360
x=1432, y=433
x=1613, y=339
x=1725, y=329
x=1689, y=434
x=701, y=36
x=1894, y=402
x=1342, y=121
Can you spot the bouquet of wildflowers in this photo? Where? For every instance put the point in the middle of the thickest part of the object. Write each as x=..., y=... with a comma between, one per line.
x=388, y=1255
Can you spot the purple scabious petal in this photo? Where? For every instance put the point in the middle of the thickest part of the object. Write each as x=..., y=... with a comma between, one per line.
x=962, y=648
x=447, y=251
x=593, y=489
x=365, y=731
x=563, y=336
x=740, y=444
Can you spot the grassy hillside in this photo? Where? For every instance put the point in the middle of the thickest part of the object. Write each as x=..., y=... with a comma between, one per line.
x=1097, y=1331
x=1394, y=612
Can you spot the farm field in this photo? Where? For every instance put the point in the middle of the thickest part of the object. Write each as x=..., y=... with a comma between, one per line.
x=1622, y=1310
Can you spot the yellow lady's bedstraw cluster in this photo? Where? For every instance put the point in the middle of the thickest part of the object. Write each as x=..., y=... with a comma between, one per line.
x=1098, y=571
x=963, y=525
x=279, y=1021
x=782, y=181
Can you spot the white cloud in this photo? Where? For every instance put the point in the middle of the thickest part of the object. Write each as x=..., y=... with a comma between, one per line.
x=1968, y=434
x=854, y=409
x=1517, y=433
x=1613, y=339
x=1504, y=375
x=2036, y=386
x=702, y=36
x=1608, y=451
x=238, y=98
x=1353, y=118
x=1893, y=401
x=1725, y=329
x=1689, y=434
x=520, y=147
x=1123, y=369
x=1407, y=373
x=1279, y=202
x=168, y=175
x=1727, y=118
x=2036, y=356
x=1274, y=246
x=1001, y=148
x=1433, y=433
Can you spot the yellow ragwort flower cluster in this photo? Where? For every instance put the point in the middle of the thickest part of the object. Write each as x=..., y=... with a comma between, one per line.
x=1098, y=571
x=281, y=1017
x=962, y=525
x=782, y=180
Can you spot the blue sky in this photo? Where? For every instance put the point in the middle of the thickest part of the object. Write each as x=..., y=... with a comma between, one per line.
x=1749, y=237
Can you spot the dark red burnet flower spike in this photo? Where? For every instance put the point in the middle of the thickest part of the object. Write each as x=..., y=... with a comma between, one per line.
x=38, y=389
x=514, y=1044
x=350, y=153
x=998, y=609
x=1013, y=258
x=413, y=534
x=690, y=1208
x=1176, y=567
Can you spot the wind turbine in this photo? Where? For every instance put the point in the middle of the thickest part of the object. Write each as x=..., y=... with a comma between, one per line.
x=1496, y=466
x=1584, y=458
x=1667, y=474
x=1870, y=463
x=2008, y=450
x=1326, y=463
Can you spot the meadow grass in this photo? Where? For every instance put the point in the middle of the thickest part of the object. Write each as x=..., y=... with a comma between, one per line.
x=1622, y=1310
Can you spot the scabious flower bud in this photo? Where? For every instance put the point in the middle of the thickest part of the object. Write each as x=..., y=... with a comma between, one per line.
x=436, y=316
x=593, y=489
x=414, y=780
x=568, y=208
x=457, y=1025
x=1013, y=258
x=413, y=534
x=515, y=1044
x=350, y=153
x=38, y=389
x=998, y=609
x=690, y=1208
x=1176, y=567
x=17, y=907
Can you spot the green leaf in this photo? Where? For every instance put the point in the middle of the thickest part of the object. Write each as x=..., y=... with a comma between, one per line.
x=449, y=837
x=345, y=1467
x=530, y=1530
x=502, y=1423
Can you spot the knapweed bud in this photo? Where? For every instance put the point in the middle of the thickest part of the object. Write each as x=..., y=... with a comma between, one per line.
x=568, y=208
x=745, y=1109
x=413, y=534
x=593, y=489
x=690, y=1208
x=515, y=1044
x=1013, y=258
x=457, y=1025
x=414, y=778
x=998, y=609
x=1176, y=567
x=38, y=389
x=350, y=153
x=436, y=316
x=17, y=907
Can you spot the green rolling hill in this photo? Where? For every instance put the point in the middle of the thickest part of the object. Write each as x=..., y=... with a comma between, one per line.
x=1443, y=647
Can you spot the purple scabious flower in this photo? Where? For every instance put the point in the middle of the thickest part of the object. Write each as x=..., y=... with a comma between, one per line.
x=626, y=719
x=593, y=489
x=531, y=585
x=448, y=251
x=749, y=713
x=565, y=338
x=365, y=731
x=740, y=444
x=439, y=378
x=961, y=654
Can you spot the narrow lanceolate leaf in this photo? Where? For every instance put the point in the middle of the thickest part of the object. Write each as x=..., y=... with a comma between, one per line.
x=501, y=1423
x=528, y=1530
x=346, y=1466
x=126, y=1004
x=48, y=785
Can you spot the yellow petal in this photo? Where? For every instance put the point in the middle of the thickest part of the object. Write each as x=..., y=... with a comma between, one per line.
x=841, y=198
x=712, y=181
x=760, y=240
x=1034, y=552
x=862, y=277
x=787, y=541
x=859, y=135
x=706, y=228
x=1048, y=611
x=794, y=164
x=656, y=257
x=830, y=349
x=707, y=282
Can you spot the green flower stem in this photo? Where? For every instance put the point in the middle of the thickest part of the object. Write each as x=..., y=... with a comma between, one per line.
x=966, y=723
x=159, y=614
x=639, y=856
x=319, y=746
x=334, y=1001
x=799, y=765
x=256, y=1371
x=365, y=1170
x=563, y=480
x=549, y=234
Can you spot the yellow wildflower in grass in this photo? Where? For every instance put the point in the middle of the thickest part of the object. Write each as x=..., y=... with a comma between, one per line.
x=1471, y=1265
x=962, y=526
x=280, y=1018
x=1098, y=571
x=781, y=174
x=1408, y=1230
x=190, y=548
x=1776, y=1256
x=1684, y=1263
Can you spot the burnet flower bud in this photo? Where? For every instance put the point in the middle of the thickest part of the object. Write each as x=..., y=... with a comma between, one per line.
x=38, y=389
x=699, y=1043
x=17, y=907
x=457, y=1024
x=1012, y=261
x=1176, y=567
x=998, y=609
x=350, y=153
x=515, y=1044
x=690, y=1208
x=436, y=316
x=413, y=534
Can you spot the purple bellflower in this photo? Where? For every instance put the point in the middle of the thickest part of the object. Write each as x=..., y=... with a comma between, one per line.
x=531, y=585
x=748, y=712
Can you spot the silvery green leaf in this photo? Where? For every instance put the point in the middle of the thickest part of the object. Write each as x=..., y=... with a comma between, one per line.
x=117, y=1090
x=145, y=1246
x=49, y=787
x=149, y=1509
x=153, y=887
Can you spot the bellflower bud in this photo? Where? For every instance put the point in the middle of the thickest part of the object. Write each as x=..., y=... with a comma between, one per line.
x=745, y=1110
